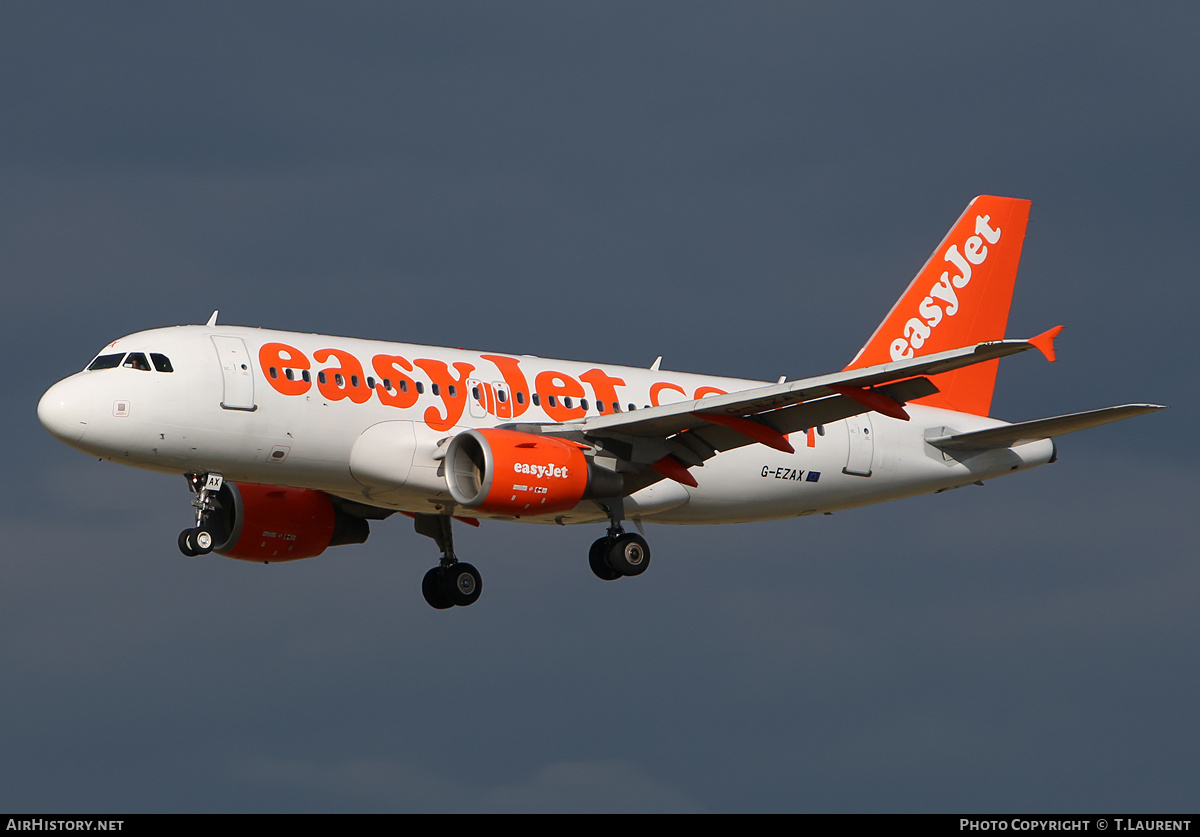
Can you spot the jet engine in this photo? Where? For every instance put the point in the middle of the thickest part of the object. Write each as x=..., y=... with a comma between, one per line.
x=272, y=523
x=514, y=473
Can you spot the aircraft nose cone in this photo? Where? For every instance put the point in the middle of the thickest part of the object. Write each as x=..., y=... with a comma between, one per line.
x=64, y=411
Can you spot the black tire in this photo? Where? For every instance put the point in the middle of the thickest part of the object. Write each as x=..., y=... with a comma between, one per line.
x=187, y=545
x=629, y=554
x=463, y=584
x=598, y=561
x=434, y=590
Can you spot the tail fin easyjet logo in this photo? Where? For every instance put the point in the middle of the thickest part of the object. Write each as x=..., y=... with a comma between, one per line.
x=944, y=292
x=960, y=297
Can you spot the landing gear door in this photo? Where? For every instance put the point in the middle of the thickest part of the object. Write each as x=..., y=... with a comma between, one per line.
x=237, y=372
x=862, y=445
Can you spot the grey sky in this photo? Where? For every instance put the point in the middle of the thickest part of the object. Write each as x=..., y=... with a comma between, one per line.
x=742, y=188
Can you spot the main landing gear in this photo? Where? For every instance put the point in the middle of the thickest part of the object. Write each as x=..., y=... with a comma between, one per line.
x=454, y=583
x=619, y=553
x=199, y=539
x=451, y=583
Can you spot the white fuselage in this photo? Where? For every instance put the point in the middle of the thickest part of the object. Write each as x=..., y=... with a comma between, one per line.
x=363, y=420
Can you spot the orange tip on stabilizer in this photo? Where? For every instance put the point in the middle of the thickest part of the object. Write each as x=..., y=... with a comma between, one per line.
x=1044, y=342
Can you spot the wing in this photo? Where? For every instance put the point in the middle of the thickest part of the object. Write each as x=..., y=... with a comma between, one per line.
x=648, y=445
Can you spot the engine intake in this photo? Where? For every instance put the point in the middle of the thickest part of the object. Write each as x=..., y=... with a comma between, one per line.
x=514, y=473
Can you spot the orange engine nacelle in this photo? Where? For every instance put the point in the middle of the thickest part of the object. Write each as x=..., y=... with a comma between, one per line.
x=510, y=472
x=271, y=523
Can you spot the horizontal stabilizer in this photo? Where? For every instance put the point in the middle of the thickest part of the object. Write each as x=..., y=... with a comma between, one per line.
x=1011, y=435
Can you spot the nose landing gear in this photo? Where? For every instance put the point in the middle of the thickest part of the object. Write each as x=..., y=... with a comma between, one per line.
x=199, y=539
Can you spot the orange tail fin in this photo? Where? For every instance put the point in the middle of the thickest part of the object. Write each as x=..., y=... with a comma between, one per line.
x=960, y=297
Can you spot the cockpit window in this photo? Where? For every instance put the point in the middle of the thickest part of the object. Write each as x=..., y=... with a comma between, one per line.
x=133, y=360
x=107, y=361
x=136, y=360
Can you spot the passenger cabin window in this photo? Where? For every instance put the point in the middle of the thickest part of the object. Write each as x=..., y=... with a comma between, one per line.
x=137, y=360
x=161, y=362
x=106, y=362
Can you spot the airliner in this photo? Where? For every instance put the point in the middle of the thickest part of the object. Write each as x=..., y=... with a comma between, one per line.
x=294, y=443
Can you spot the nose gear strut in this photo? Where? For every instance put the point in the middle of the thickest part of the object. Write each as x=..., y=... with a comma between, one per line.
x=199, y=539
